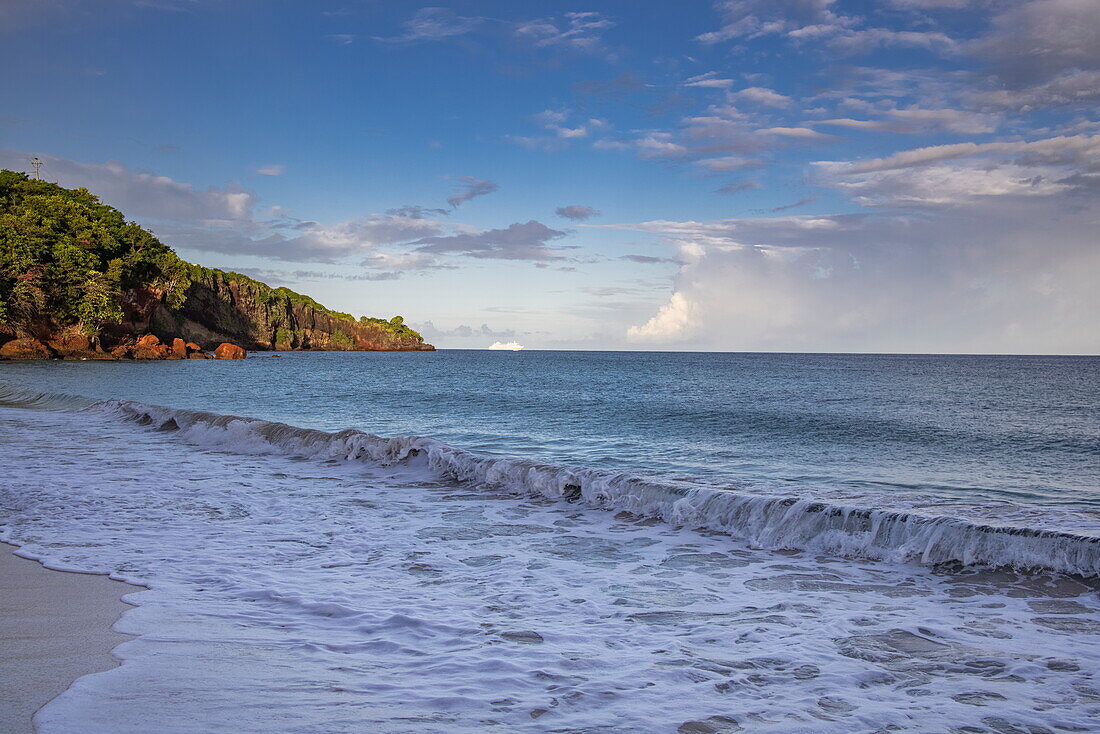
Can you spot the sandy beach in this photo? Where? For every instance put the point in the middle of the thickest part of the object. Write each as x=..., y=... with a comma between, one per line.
x=54, y=628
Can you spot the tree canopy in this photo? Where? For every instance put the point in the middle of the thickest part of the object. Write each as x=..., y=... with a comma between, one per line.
x=66, y=258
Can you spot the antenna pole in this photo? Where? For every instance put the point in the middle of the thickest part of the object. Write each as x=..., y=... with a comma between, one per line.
x=37, y=164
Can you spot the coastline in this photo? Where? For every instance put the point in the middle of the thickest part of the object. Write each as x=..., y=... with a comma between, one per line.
x=55, y=627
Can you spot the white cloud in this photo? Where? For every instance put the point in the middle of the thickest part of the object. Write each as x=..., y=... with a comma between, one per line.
x=581, y=31
x=752, y=18
x=659, y=145
x=433, y=24
x=728, y=163
x=802, y=133
x=142, y=193
x=916, y=120
x=271, y=170
x=1036, y=40
x=986, y=247
x=710, y=80
x=868, y=39
x=763, y=96
x=1077, y=149
x=676, y=321
x=968, y=280
x=951, y=185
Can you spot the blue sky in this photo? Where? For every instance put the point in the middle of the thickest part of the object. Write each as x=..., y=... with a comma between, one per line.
x=806, y=175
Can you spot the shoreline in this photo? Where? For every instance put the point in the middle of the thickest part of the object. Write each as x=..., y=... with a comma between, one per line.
x=55, y=626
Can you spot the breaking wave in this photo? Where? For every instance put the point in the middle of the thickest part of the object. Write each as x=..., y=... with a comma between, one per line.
x=772, y=522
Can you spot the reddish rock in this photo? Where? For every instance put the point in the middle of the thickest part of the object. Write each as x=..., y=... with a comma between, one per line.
x=179, y=348
x=158, y=352
x=149, y=347
x=25, y=349
x=66, y=344
x=225, y=350
x=194, y=351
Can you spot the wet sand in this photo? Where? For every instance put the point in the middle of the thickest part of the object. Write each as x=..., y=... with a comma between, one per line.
x=54, y=628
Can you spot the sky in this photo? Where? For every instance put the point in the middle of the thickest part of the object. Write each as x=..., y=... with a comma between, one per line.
x=743, y=175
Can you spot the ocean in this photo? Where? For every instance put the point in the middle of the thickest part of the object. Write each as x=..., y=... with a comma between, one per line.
x=572, y=541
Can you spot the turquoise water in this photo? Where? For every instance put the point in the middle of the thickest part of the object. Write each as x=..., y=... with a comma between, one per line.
x=1003, y=432
x=558, y=541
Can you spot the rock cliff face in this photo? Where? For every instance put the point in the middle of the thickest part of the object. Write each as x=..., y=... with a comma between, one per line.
x=226, y=307
x=77, y=281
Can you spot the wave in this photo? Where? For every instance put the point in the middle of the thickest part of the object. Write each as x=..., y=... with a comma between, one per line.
x=771, y=522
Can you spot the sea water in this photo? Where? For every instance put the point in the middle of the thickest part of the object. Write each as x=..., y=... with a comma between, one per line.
x=574, y=542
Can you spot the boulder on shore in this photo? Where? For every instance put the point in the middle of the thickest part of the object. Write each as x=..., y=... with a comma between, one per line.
x=25, y=349
x=149, y=347
x=225, y=350
x=71, y=343
x=194, y=351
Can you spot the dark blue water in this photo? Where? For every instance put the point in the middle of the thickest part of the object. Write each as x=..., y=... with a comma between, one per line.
x=1000, y=436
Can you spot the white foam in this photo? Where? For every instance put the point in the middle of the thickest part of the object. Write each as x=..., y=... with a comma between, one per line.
x=772, y=522
x=362, y=590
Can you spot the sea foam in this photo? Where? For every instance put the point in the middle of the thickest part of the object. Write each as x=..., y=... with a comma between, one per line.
x=770, y=522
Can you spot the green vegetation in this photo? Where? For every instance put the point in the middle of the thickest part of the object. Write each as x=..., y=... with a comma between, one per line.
x=395, y=326
x=283, y=337
x=68, y=259
x=341, y=340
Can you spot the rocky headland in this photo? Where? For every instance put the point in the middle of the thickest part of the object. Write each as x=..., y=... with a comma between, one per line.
x=77, y=281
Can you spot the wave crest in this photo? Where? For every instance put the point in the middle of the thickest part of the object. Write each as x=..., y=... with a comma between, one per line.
x=762, y=521
x=772, y=522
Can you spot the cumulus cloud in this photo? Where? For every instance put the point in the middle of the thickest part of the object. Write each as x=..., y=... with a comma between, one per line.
x=958, y=271
x=659, y=145
x=519, y=241
x=471, y=188
x=142, y=193
x=577, y=212
x=676, y=321
x=968, y=282
x=556, y=121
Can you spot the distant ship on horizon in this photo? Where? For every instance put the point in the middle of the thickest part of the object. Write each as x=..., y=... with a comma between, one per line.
x=506, y=346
